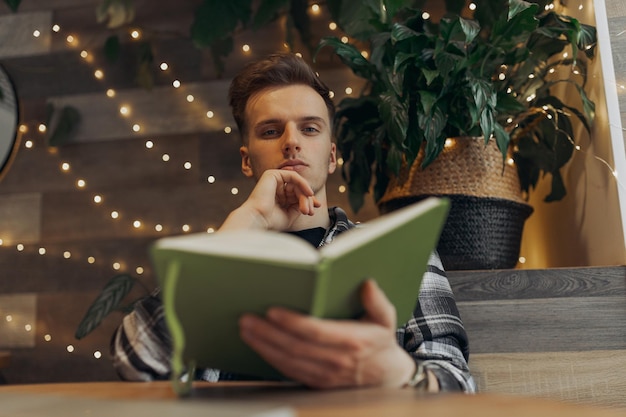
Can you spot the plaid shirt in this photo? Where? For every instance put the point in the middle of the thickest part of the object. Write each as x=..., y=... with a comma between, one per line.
x=434, y=336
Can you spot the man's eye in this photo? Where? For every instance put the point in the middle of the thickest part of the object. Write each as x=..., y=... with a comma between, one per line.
x=269, y=132
x=310, y=129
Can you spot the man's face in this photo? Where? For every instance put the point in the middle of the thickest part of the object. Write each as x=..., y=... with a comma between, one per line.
x=289, y=128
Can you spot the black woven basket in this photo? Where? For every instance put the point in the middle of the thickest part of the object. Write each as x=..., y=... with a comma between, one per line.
x=480, y=232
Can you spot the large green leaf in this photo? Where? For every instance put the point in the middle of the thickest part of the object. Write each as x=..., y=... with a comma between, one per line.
x=13, y=4
x=112, y=294
x=357, y=18
x=64, y=125
x=557, y=192
x=470, y=29
x=350, y=56
x=112, y=48
x=217, y=19
x=267, y=12
x=394, y=114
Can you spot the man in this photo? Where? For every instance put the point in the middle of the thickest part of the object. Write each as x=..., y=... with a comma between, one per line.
x=284, y=114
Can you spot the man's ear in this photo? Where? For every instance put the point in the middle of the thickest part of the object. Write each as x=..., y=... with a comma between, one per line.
x=246, y=167
x=332, y=161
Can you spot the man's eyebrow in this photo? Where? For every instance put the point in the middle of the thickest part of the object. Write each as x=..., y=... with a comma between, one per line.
x=302, y=119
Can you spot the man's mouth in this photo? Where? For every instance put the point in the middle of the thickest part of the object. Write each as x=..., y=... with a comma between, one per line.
x=292, y=165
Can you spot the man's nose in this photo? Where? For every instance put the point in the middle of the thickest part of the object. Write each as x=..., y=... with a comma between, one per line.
x=291, y=139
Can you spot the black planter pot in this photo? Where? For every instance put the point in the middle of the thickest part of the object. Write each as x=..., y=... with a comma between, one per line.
x=480, y=232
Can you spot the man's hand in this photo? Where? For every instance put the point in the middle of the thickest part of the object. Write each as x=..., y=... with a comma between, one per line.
x=333, y=353
x=278, y=199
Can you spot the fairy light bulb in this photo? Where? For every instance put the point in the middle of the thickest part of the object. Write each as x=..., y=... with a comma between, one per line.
x=164, y=66
x=36, y=33
x=210, y=114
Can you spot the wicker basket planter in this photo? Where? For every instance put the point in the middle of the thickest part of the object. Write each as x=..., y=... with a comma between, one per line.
x=487, y=213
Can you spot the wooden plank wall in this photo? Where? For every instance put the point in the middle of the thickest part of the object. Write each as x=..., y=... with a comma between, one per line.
x=558, y=333
x=43, y=209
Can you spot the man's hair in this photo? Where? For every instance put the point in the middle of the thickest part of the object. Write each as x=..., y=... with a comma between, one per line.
x=279, y=69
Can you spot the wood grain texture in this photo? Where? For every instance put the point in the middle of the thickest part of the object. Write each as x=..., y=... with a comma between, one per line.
x=18, y=320
x=546, y=324
x=615, y=8
x=20, y=216
x=580, y=377
x=16, y=32
x=530, y=284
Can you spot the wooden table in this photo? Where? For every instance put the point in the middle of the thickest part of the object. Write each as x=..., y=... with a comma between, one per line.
x=156, y=399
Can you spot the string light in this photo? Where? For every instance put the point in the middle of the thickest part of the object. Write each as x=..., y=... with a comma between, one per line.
x=56, y=28
x=110, y=93
x=164, y=66
x=36, y=33
x=210, y=114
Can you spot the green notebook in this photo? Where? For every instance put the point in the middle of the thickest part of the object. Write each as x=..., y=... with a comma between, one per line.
x=209, y=280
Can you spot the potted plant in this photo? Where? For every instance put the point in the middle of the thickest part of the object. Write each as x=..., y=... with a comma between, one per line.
x=495, y=76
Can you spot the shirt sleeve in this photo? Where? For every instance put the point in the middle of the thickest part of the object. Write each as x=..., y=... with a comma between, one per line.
x=435, y=335
x=141, y=346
